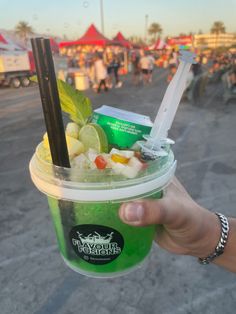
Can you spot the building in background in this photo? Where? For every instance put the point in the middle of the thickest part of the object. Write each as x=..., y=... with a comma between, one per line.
x=214, y=40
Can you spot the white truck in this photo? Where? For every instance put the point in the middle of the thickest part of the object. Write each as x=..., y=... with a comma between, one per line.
x=16, y=67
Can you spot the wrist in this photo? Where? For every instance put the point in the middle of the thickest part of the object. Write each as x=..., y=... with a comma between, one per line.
x=220, y=248
x=210, y=231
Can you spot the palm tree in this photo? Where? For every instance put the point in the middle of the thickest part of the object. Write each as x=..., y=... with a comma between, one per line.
x=217, y=28
x=155, y=29
x=23, y=30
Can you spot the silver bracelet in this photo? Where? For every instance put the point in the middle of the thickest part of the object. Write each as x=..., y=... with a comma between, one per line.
x=221, y=245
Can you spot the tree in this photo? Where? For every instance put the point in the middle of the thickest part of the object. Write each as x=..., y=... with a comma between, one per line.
x=23, y=30
x=154, y=30
x=217, y=28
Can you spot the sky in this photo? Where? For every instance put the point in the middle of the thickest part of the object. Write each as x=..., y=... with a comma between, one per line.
x=72, y=17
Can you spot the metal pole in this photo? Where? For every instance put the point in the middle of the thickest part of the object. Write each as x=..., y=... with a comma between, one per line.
x=102, y=16
x=146, y=27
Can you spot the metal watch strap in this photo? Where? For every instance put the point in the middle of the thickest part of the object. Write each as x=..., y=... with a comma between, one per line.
x=221, y=245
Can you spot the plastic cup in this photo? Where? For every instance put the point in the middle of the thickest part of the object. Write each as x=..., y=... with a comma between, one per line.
x=84, y=207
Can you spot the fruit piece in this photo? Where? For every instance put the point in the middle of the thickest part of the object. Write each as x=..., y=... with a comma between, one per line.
x=119, y=158
x=135, y=163
x=91, y=154
x=75, y=147
x=45, y=141
x=80, y=162
x=44, y=153
x=118, y=167
x=125, y=153
x=100, y=162
x=72, y=129
x=93, y=136
x=130, y=172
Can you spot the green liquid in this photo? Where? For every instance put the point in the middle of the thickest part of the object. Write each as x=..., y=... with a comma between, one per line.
x=137, y=240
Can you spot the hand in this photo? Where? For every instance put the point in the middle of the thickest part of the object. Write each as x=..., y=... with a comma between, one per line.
x=184, y=226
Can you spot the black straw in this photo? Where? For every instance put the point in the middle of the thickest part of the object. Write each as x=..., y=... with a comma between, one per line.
x=54, y=126
x=50, y=101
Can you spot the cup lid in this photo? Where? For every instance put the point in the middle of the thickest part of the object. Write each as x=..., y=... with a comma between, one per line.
x=99, y=185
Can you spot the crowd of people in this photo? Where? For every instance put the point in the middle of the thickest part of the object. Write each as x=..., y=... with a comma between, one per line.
x=103, y=70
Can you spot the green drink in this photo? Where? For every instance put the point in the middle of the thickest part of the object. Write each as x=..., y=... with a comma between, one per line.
x=93, y=240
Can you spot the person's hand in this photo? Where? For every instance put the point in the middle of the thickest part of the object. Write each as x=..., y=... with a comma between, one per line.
x=184, y=226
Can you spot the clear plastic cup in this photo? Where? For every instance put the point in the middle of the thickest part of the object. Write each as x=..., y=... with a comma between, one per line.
x=84, y=207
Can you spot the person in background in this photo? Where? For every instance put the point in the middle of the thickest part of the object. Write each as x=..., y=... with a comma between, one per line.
x=116, y=67
x=135, y=58
x=185, y=227
x=197, y=67
x=173, y=58
x=172, y=71
x=190, y=78
x=144, y=65
x=109, y=70
x=100, y=73
x=151, y=67
x=231, y=79
x=90, y=69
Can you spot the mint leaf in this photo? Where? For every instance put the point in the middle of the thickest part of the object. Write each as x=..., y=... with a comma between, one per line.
x=74, y=103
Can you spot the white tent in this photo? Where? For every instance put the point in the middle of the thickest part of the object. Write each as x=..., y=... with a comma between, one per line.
x=158, y=45
x=8, y=43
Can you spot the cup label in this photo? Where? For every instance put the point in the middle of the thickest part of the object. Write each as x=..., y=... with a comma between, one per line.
x=96, y=244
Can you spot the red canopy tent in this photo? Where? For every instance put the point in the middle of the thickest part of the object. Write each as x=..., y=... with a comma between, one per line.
x=119, y=39
x=91, y=37
x=2, y=39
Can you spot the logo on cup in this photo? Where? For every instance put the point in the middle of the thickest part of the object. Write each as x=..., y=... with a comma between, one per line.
x=96, y=244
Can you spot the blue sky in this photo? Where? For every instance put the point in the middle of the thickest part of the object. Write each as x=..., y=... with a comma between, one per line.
x=72, y=17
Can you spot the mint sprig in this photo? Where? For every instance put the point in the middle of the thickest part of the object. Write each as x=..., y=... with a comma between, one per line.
x=73, y=102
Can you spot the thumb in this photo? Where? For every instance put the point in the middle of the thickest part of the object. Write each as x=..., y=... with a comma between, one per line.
x=146, y=212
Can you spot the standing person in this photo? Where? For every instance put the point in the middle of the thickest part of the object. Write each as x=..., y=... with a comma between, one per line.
x=116, y=67
x=100, y=73
x=144, y=65
x=135, y=67
x=110, y=70
x=151, y=67
x=197, y=67
x=172, y=71
x=173, y=58
x=90, y=69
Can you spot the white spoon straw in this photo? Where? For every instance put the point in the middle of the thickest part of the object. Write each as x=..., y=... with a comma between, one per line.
x=169, y=106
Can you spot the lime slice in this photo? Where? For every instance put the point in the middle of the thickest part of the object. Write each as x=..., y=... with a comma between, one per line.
x=93, y=136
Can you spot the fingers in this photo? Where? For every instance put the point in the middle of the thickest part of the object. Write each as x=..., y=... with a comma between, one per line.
x=146, y=212
x=174, y=209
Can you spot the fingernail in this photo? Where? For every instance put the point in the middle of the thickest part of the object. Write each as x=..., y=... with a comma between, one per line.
x=133, y=212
